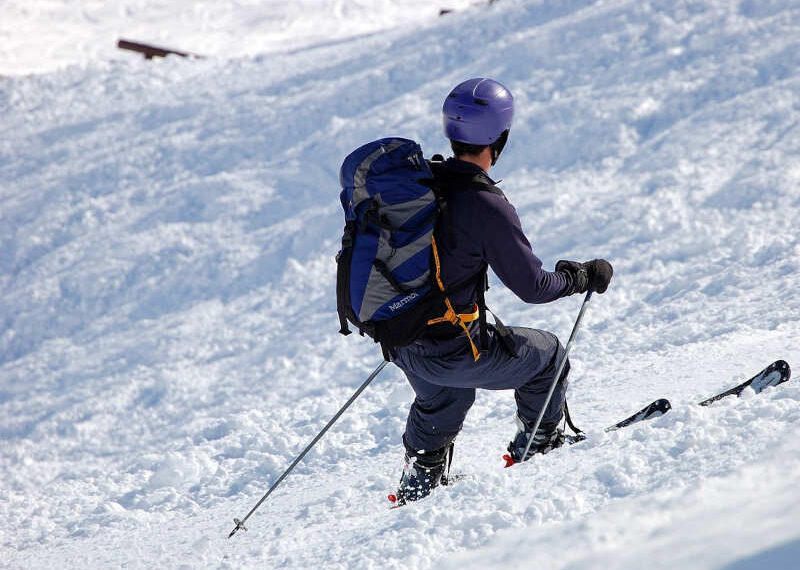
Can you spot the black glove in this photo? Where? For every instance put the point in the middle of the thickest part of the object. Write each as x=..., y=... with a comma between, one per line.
x=594, y=275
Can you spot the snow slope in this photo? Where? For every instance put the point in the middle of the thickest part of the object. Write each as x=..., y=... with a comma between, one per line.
x=40, y=36
x=167, y=322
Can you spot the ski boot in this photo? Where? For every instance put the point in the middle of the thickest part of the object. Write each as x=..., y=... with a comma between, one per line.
x=423, y=471
x=547, y=438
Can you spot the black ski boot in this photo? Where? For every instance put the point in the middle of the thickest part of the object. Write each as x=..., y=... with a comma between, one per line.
x=547, y=438
x=423, y=471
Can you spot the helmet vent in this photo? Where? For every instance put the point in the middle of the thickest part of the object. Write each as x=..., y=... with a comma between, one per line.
x=483, y=102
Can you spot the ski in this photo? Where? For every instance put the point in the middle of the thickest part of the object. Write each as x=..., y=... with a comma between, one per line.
x=652, y=410
x=776, y=373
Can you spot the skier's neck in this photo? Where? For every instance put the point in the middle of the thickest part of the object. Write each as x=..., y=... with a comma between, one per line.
x=483, y=160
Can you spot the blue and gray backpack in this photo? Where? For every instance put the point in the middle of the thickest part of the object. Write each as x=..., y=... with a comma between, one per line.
x=388, y=283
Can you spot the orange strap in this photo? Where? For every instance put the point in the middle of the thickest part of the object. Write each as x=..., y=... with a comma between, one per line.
x=450, y=316
x=465, y=317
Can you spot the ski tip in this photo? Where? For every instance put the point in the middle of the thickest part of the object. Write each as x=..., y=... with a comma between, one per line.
x=509, y=460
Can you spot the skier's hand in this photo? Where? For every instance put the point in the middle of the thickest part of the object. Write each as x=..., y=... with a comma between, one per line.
x=600, y=273
x=595, y=275
x=576, y=276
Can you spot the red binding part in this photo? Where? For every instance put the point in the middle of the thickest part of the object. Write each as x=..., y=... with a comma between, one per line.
x=509, y=461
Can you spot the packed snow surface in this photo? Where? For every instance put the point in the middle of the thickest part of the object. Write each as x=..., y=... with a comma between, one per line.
x=168, y=335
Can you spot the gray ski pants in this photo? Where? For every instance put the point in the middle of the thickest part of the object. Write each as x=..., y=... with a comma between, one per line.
x=444, y=377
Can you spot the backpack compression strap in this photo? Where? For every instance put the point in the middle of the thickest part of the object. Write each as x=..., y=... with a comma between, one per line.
x=450, y=316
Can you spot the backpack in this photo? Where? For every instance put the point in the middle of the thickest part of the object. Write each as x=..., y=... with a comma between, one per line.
x=388, y=283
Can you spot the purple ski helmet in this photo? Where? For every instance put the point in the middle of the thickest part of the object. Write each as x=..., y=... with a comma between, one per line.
x=478, y=111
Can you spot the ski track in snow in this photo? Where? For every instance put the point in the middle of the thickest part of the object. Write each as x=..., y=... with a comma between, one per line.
x=167, y=319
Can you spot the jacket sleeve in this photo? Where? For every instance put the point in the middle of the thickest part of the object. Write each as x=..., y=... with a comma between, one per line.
x=508, y=252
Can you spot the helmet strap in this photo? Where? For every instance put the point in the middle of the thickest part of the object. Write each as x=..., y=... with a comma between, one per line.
x=498, y=146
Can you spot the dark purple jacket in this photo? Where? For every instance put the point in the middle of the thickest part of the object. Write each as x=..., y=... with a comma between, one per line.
x=486, y=230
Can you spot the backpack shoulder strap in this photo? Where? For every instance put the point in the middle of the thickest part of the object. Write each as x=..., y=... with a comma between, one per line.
x=444, y=182
x=449, y=181
x=439, y=184
x=482, y=183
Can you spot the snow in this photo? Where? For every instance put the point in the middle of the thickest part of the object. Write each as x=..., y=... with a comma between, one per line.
x=168, y=333
x=41, y=36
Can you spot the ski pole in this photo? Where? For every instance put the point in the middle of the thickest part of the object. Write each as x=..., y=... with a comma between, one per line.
x=560, y=369
x=240, y=523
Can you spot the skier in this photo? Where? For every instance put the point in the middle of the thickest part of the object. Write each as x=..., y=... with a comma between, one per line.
x=481, y=227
